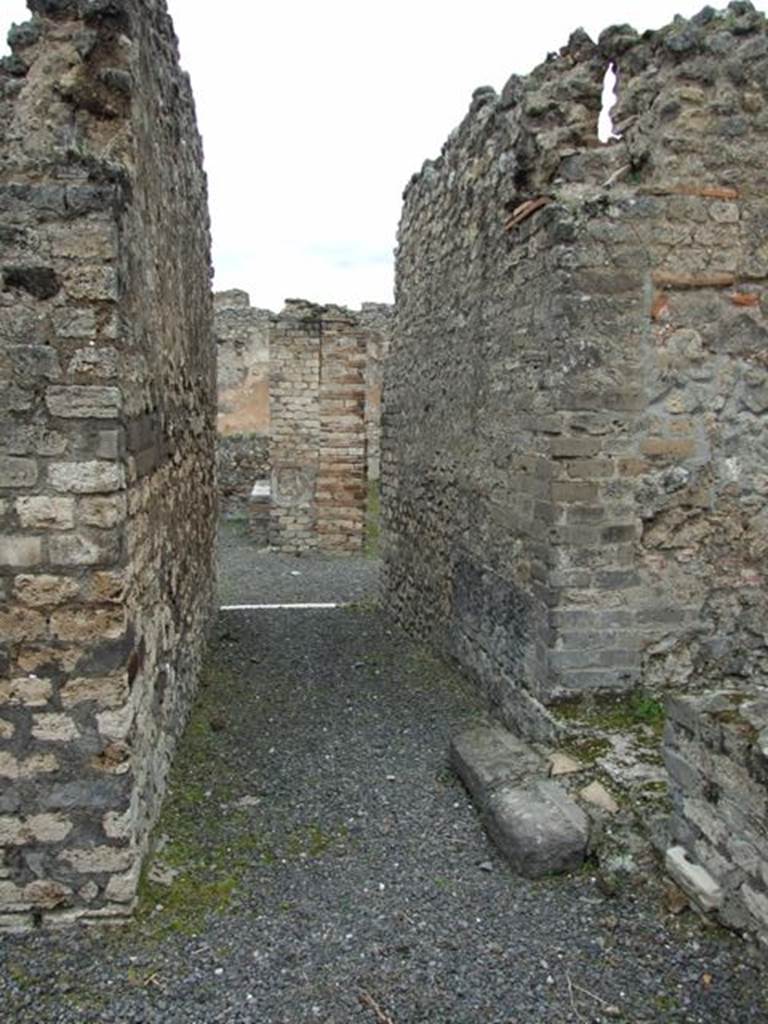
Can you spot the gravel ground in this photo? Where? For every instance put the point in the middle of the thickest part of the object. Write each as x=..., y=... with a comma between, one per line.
x=249, y=578
x=319, y=863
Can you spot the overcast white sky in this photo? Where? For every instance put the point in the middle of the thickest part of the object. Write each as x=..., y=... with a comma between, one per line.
x=315, y=114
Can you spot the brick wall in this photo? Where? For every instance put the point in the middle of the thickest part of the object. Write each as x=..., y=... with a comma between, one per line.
x=295, y=386
x=318, y=428
x=106, y=448
x=295, y=427
x=574, y=464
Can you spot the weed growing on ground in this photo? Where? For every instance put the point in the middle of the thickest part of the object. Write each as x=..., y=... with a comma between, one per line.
x=646, y=709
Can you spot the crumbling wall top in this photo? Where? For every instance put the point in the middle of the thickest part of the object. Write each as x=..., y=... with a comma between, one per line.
x=540, y=133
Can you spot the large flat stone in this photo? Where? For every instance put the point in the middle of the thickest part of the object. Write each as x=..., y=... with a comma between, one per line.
x=539, y=829
x=486, y=757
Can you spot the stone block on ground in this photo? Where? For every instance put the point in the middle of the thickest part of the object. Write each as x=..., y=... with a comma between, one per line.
x=533, y=821
x=563, y=764
x=485, y=757
x=598, y=796
x=538, y=828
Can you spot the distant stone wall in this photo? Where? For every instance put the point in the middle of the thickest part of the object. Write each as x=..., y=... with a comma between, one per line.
x=107, y=495
x=242, y=343
x=254, y=345
x=378, y=319
x=716, y=753
x=318, y=429
x=575, y=465
x=242, y=451
x=241, y=461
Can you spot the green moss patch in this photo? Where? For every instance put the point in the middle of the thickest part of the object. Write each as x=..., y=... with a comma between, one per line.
x=587, y=748
x=206, y=844
x=613, y=712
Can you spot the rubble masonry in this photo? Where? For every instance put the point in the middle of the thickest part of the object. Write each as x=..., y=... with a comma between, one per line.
x=107, y=493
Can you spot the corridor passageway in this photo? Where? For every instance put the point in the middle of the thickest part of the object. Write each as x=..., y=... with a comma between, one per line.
x=317, y=856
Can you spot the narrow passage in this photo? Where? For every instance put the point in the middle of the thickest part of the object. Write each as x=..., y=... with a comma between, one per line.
x=318, y=862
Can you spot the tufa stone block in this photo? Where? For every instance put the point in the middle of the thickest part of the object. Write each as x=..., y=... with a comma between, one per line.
x=28, y=691
x=29, y=768
x=87, y=477
x=42, y=591
x=40, y=512
x=75, y=549
x=98, y=859
x=54, y=727
x=104, y=691
x=485, y=757
x=17, y=472
x=84, y=624
x=20, y=624
x=18, y=552
x=538, y=828
x=83, y=401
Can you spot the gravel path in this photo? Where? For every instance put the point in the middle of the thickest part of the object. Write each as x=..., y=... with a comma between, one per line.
x=319, y=863
x=246, y=577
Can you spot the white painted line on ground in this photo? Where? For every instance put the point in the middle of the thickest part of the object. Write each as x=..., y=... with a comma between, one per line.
x=269, y=607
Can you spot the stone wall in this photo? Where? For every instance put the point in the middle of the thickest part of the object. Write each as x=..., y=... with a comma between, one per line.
x=296, y=351
x=241, y=461
x=716, y=753
x=242, y=343
x=378, y=320
x=242, y=450
x=575, y=467
x=318, y=429
x=107, y=497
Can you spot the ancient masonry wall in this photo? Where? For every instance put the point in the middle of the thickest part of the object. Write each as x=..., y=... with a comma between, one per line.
x=246, y=340
x=378, y=320
x=318, y=429
x=106, y=447
x=575, y=465
x=716, y=753
x=242, y=451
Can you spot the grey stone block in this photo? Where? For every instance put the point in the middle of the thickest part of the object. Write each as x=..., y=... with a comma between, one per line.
x=15, y=472
x=683, y=774
x=532, y=820
x=693, y=879
x=487, y=757
x=538, y=828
